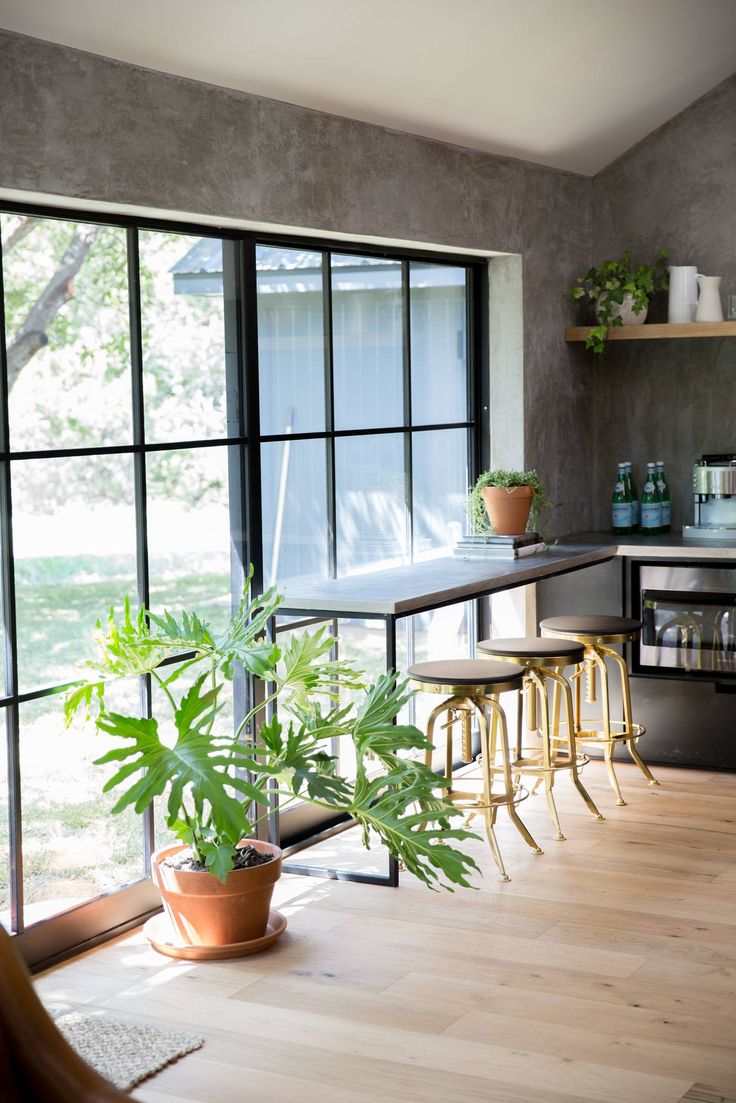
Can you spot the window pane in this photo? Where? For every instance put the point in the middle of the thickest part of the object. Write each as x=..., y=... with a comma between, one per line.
x=367, y=325
x=291, y=344
x=371, y=509
x=441, y=477
x=295, y=531
x=439, y=340
x=438, y=634
x=183, y=337
x=74, y=532
x=73, y=848
x=3, y=678
x=66, y=315
x=4, y=826
x=189, y=532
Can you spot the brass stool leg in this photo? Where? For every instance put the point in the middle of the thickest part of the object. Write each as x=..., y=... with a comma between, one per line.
x=431, y=721
x=448, y=726
x=567, y=694
x=608, y=744
x=556, y=708
x=626, y=694
x=539, y=688
x=498, y=712
x=489, y=812
x=430, y=732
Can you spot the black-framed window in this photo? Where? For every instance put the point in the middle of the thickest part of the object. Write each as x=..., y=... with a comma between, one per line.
x=177, y=402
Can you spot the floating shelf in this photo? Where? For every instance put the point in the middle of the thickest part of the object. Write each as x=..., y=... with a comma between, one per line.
x=657, y=332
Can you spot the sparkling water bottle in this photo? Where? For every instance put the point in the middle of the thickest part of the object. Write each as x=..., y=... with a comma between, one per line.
x=651, y=504
x=634, y=495
x=666, y=497
x=621, y=504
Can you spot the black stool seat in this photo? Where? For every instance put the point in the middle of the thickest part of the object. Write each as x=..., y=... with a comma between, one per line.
x=599, y=625
x=460, y=673
x=533, y=647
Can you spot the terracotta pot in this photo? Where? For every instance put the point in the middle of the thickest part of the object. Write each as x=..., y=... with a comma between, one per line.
x=206, y=912
x=508, y=510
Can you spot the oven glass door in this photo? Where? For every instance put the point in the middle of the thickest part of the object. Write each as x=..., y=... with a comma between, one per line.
x=689, y=620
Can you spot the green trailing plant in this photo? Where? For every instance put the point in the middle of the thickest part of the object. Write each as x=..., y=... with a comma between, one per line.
x=217, y=784
x=606, y=286
x=478, y=521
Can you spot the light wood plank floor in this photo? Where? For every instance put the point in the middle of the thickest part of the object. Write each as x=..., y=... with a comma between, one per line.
x=604, y=971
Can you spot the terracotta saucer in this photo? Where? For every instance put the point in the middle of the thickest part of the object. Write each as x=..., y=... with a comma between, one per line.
x=159, y=933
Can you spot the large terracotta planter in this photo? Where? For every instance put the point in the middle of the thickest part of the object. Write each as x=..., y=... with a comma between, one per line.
x=508, y=509
x=205, y=912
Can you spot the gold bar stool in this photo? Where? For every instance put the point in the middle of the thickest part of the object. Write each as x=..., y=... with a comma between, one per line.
x=543, y=661
x=471, y=688
x=596, y=632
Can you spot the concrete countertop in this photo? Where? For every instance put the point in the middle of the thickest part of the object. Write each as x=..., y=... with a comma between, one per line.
x=416, y=587
x=670, y=545
x=401, y=591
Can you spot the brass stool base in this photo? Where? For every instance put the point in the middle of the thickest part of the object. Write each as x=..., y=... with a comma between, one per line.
x=479, y=700
x=544, y=661
x=603, y=731
x=628, y=735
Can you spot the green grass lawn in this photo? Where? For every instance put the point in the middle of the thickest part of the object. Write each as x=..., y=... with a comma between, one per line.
x=72, y=847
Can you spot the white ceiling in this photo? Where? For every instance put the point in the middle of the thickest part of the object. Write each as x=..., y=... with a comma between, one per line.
x=569, y=83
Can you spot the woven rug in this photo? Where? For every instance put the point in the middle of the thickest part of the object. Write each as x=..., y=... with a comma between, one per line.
x=124, y=1053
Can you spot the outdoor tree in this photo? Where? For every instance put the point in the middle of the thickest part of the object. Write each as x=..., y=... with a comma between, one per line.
x=67, y=320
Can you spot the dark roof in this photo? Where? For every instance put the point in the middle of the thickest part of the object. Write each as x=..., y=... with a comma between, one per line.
x=205, y=258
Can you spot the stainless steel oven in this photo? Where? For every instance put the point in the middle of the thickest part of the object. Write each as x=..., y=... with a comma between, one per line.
x=688, y=614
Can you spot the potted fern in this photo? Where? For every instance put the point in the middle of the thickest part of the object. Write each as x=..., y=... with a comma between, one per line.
x=216, y=881
x=505, y=503
x=621, y=292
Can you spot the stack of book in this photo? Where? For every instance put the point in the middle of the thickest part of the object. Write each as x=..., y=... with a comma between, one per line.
x=499, y=547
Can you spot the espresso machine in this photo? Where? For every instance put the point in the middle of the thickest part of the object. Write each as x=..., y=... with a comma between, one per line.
x=714, y=499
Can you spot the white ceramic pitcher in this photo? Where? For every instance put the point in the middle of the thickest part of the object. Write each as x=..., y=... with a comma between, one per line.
x=710, y=308
x=683, y=298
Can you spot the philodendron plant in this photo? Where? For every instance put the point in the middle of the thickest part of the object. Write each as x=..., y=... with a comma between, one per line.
x=219, y=785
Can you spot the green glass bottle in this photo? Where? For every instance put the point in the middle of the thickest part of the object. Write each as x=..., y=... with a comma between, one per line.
x=664, y=493
x=621, y=505
x=634, y=495
x=651, y=504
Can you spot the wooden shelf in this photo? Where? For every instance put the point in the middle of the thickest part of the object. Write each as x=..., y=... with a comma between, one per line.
x=674, y=330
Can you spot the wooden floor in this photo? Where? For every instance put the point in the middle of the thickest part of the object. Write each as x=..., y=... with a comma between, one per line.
x=604, y=971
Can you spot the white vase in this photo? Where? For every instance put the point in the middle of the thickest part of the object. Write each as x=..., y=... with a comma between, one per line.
x=683, y=298
x=710, y=308
x=625, y=311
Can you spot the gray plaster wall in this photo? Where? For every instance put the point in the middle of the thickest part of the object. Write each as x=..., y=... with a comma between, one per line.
x=76, y=125
x=670, y=400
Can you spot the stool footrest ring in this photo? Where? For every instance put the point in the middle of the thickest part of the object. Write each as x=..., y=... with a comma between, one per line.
x=597, y=735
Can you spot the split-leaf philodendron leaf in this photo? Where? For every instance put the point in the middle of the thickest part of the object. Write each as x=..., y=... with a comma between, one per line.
x=217, y=778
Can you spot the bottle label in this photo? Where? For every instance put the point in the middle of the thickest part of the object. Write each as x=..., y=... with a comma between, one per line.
x=621, y=515
x=666, y=513
x=651, y=514
x=636, y=511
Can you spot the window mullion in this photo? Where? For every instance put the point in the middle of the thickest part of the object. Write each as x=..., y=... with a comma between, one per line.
x=11, y=629
x=329, y=414
x=408, y=444
x=139, y=476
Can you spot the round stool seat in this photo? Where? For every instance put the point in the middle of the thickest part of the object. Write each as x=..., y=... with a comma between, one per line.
x=534, y=651
x=592, y=627
x=454, y=676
